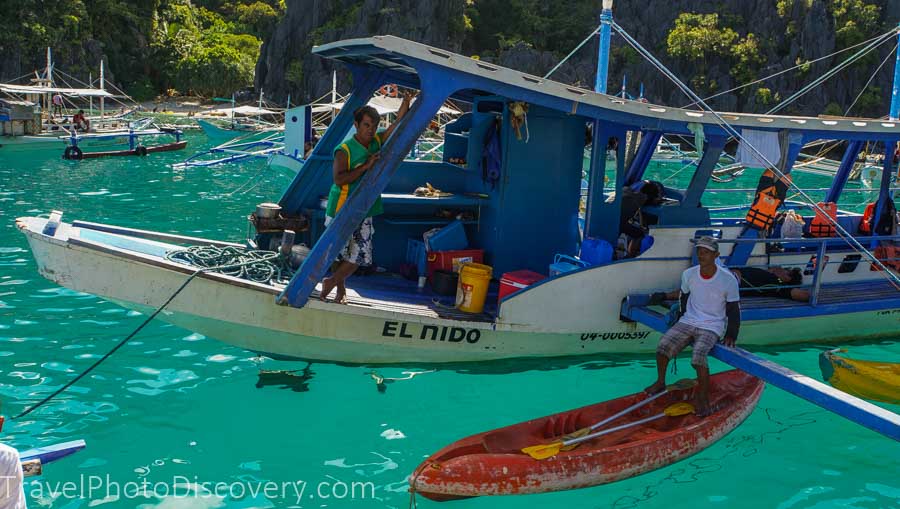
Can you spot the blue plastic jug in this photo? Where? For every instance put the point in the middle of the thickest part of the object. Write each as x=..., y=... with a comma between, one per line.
x=596, y=251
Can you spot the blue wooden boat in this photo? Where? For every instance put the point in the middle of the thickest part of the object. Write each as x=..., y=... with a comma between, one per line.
x=522, y=211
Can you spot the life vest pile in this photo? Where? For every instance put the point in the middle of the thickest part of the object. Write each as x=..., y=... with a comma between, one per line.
x=823, y=225
x=770, y=193
x=889, y=255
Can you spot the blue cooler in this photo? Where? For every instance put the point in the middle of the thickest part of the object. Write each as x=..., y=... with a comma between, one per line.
x=596, y=251
x=563, y=263
x=449, y=238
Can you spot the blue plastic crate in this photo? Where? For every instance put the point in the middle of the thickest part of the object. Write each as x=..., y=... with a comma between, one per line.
x=416, y=255
x=563, y=263
x=449, y=238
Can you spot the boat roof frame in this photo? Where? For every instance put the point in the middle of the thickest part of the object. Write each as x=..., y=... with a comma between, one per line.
x=399, y=58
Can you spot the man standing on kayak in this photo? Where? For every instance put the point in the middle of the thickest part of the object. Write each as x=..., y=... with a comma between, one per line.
x=710, y=300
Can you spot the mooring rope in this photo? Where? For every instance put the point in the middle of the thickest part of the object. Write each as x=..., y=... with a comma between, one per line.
x=234, y=261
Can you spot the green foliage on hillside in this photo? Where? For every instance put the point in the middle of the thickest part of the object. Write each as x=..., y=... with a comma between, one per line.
x=701, y=39
x=211, y=47
x=208, y=47
x=493, y=25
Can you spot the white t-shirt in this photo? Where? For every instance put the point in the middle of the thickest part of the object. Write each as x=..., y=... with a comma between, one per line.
x=706, y=305
x=12, y=490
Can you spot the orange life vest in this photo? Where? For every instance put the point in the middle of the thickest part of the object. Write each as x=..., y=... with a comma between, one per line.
x=389, y=90
x=822, y=225
x=865, y=226
x=770, y=193
x=889, y=256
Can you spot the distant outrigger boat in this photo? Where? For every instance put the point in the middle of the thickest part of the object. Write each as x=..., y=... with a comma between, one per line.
x=238, y=121
x=523, y=217
x=75, y=142
x=222, y=130
x=27, y=124
x=879, y=381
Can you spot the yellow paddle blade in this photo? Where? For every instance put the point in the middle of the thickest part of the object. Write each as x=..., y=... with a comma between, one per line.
x=543, y=451
x=677, y=409
x=575, y=434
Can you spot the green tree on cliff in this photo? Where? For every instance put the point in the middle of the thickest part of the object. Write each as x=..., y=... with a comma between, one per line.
x=699, y=39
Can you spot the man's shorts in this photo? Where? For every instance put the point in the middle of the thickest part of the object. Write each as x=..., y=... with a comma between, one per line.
x=358, y=249
x=681, y=335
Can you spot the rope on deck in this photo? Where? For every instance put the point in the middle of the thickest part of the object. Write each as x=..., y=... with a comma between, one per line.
x=260, y=266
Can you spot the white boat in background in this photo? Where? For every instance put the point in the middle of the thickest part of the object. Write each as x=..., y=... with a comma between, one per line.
x=245, y=122
x=28, y=123
x=223, y=130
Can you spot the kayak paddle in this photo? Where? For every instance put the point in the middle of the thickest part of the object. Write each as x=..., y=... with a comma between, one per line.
x=683, y=384
x=545, y=451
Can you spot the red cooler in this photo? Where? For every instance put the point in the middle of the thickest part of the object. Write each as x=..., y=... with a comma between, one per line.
x=451, y=260
x=512, y=282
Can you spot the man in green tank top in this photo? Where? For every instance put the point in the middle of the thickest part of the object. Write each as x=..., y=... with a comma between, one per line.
x=352, y=159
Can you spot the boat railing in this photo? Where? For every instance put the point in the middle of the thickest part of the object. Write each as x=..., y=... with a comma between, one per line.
x=419, y=152
x=820, y=260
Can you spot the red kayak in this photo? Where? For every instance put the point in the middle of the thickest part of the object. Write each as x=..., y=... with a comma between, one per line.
x=493, y=463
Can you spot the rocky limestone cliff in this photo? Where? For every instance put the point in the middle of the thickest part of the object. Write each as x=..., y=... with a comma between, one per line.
x=286, y=65
x=805, y=32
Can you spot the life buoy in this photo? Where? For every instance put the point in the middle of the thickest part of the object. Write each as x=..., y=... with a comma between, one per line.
x=770, y=193
x=74, y=153
x=823, y=224
x=140, y=150
x=389, y=90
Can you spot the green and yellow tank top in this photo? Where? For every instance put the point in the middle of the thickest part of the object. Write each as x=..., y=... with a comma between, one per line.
x=357, y=154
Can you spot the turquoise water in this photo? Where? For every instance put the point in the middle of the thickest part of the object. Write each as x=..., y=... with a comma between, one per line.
x=173, y=413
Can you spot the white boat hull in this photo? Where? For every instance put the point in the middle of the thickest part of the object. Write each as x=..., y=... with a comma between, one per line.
x=287, y=162
x=536, y=324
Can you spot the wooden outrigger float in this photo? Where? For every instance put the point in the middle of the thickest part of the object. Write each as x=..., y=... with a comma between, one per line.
x=33, y=460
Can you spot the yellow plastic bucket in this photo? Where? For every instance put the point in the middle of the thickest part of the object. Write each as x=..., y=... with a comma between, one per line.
x=472, y=288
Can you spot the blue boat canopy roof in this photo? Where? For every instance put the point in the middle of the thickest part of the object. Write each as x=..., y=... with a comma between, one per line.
x=402, y=61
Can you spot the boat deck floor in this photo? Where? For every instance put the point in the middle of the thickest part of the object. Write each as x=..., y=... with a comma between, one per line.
x=392, y=292
x=858, y=294
x=861, y=296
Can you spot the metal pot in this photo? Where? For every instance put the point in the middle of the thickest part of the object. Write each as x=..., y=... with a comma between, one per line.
x=268, y=210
